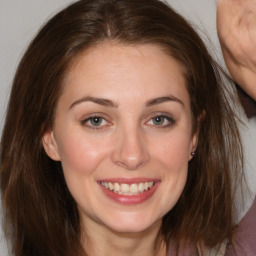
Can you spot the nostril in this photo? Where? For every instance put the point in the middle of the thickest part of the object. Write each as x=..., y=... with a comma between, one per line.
x=133, y=163
x=131, y=151
x=121, y=164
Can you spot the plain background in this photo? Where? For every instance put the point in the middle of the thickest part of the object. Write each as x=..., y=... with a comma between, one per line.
x=21, y=19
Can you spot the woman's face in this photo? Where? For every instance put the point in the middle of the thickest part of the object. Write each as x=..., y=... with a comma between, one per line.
x=123, y=135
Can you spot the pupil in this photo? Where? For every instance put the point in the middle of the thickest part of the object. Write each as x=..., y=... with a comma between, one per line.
x=96, y=121
x=158, y=120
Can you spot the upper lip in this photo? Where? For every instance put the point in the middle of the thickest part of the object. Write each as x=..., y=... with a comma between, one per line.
x=129, y=180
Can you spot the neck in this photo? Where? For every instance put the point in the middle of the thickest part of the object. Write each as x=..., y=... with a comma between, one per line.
x=102, y=241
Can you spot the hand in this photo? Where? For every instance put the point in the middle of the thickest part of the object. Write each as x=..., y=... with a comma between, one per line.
x=236, y=25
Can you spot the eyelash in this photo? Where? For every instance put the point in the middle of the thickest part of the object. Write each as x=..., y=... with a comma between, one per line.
x=85, y=121
x=170, y=121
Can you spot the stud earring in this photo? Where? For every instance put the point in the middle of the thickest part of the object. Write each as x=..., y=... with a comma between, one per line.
x=193, y=153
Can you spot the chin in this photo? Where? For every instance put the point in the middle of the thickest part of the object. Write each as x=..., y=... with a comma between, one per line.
x=128, y=223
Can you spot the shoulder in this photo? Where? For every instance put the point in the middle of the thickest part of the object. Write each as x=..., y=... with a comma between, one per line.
x=244, y=240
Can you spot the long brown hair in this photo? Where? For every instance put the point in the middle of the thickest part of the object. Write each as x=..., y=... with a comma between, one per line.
x=40, y=214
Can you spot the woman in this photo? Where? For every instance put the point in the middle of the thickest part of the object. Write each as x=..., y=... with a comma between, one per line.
x=118, y=136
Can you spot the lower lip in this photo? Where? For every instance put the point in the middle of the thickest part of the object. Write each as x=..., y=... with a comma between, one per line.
x=136, y=199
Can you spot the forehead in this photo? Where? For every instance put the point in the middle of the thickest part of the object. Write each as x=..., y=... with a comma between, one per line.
x=112, y=69
x=116, y=54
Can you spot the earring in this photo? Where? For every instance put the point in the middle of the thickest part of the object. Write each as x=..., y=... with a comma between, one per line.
x=193, y=153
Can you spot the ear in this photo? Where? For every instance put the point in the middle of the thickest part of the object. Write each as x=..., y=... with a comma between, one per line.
x=195, y=136
x=50, y=145
x=193, y=144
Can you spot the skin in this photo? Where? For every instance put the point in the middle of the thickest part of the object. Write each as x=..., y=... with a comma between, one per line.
x=236, y=25
x=127, y=143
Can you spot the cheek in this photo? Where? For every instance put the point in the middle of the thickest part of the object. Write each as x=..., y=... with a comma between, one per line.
x=174, y=151
x=174, y=159
x=81, y=153
x=173, y=154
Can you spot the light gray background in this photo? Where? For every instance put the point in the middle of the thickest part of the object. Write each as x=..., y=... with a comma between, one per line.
x=21, y=19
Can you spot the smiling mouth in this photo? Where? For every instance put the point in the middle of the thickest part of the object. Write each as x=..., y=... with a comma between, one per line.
x=128, y=189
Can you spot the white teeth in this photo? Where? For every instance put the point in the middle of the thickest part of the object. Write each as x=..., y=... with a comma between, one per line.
x=134, y=188
x=126, y=189
x=110, y=186
x=141, y=187
x=116, y=187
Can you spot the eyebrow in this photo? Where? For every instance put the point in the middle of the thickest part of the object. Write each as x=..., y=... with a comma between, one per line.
x=100, y=101
x=160, y=100
x=110, y=103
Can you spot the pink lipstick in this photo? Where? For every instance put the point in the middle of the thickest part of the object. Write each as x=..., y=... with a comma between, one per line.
x=129, y=191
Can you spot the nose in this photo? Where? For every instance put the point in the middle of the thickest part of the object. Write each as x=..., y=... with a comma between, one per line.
x=131, y=151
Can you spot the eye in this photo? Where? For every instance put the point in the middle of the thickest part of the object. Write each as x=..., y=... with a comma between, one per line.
x=95, y=122
x=161, y=121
